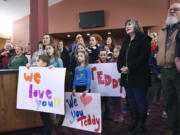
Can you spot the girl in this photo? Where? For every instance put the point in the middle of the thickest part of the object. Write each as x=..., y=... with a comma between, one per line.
x=55, y=61
x=110, y=43
x=73, y=63
x=93, y=49
x=82, y=77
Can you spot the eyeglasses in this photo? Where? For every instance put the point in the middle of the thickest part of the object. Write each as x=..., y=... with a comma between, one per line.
x=173, y=9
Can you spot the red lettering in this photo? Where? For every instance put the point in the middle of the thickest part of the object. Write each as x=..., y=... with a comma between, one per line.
x=99, y=76
x=81, y=119
x=121, y=89
x=85, y=123
x=107, y=80
x=115, y=83
x=93, y=69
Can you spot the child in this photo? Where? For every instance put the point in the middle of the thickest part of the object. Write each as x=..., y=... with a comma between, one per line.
x=73, y=63
x=43, y=61
x=117, y=115
x=82, y=77
x=102, y=56
x=52, y=53
x=105, y=100
x=109, y=53
x=93, y=50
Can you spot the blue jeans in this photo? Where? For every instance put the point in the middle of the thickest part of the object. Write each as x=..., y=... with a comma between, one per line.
x=137, y=100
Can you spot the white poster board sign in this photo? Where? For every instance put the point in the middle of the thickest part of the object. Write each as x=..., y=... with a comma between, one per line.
x=106, y=79
x=41, y=89
x=83, y=112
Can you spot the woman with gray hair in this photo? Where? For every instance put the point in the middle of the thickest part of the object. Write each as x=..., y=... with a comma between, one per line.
x=135, y=72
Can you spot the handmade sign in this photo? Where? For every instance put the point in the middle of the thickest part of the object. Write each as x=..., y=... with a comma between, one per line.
x=106, y=79
x=83, y=112
x=41, y=89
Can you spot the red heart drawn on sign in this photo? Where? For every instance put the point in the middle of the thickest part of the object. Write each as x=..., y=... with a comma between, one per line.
x=86, y=100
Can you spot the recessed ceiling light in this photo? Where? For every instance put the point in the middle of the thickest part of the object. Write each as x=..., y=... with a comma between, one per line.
x=109, y=33
x=68, y=35
x=88, y=34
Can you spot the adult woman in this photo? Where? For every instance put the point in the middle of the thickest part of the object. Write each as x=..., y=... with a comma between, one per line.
x=135, y=72
x=63, y=53
x=6, y=54
x=18, y=60
x=47, y=39
x=40, y=51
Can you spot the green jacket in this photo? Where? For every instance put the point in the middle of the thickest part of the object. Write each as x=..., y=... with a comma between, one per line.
x=15, y=62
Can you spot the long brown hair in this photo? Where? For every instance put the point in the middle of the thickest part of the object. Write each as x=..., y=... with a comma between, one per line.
x=86, y=58
x=56, y=56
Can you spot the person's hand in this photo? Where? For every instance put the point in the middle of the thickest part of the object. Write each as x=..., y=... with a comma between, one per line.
x=159, y=76
x=124, y=70
x=84, y=93
x=28, y=65
x=74, y=92
x=50, y=67
x=177, y=61
x=3, y=53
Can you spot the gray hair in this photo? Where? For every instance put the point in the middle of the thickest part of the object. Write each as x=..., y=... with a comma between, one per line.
x=137, y=27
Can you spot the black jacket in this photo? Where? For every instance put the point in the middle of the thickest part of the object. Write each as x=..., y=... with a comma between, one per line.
x=65, y=58
x=135, y=56
x=93, y=54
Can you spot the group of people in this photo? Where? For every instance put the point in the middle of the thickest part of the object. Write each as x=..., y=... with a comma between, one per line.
x=146, y=63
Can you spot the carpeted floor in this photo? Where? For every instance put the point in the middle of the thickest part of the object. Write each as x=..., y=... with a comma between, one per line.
x=155, y=125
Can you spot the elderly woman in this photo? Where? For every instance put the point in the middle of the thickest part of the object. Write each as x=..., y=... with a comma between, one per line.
x=135, y=72
x=6, y=54
x=18, y=60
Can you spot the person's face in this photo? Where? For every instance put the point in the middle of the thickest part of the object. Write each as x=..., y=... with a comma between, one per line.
x=106, y=48
x=19, y=51
x=174, y=11
x=80, y=41
x=49, y=50
x=40, y=46
x=80, y=48
x=8, y=47
x=103, y=56
x=115, y=53
x=109, y=41
x=40, y=63
x=129, y=28
x=46, y=39
x=93, y=41
x=81, y=57
x=60, y=45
